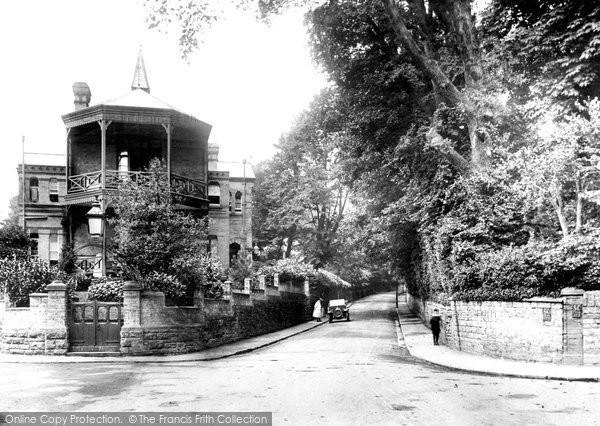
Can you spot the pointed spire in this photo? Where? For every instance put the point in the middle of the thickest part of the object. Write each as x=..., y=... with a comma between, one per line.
x=140, y=79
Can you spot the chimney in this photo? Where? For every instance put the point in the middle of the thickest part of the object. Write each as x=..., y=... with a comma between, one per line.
x=82, y=94
x=213, y=156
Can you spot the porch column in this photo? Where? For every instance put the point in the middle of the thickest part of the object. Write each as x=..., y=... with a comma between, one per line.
x=103, y=127
x=167, y=128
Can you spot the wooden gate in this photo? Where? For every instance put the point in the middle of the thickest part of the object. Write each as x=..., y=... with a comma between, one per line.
x=95, y=324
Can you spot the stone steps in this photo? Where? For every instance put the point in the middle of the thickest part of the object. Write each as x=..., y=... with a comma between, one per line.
x=95, y=354
x=94, y=351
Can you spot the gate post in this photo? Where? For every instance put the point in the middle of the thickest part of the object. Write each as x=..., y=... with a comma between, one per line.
x=132, y=338
x=55, y=319
x=572, y=325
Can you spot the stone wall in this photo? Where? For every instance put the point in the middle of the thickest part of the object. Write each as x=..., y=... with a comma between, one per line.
x=39, y=329
x=561, y=330
x=150, y=327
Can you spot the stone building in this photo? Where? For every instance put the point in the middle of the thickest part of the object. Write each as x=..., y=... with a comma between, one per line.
x=116, y=139
x=230, y=207
x=43, y=194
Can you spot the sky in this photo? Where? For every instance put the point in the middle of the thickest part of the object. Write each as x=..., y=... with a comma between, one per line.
x=247, y=80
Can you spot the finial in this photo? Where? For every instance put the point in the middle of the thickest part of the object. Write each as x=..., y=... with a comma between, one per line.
x=140, y=79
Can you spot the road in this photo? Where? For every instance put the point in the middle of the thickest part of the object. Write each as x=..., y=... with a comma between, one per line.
x=338, y=374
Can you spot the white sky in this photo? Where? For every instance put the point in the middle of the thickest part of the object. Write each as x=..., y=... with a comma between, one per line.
x=247, y=80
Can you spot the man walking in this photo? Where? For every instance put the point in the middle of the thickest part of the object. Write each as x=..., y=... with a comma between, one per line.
x=435, y=326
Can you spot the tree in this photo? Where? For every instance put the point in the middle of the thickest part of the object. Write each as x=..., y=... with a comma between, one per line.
x=561, y=167
x=549, y=49
x=14, y=211
x=14, y=242
x=416, y=28
x=154, y=242
x=301, y=196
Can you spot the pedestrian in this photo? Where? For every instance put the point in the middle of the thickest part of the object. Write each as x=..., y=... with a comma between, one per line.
x=435, y=326
x=317, y=310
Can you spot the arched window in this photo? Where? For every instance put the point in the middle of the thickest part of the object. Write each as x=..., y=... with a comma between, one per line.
x=238, y=202
x=234, y=249
x=214, y=193
x=34, y=193
x=54, y=190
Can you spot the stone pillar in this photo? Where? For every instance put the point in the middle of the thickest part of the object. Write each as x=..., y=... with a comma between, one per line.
x=132, y=334
x=261, y=282
x=132, y=304
x=56, y=331
x=247, y=285
x=227, y=290
x=276, y=280
x=572, y=325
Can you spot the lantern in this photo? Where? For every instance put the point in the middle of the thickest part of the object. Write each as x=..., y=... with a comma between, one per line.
x=95, y=219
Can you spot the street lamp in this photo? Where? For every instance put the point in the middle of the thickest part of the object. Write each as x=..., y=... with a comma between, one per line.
x=95, y=218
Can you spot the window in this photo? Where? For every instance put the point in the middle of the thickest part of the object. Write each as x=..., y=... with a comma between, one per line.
x=54, y=248
x=34, y=236
x=234, y=249
x=54, y=190
x=34, y=194
x=211, y=248
x=238, y=202
x=214, y=193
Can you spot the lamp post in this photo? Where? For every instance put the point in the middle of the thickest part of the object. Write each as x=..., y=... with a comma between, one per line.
x=95, y=217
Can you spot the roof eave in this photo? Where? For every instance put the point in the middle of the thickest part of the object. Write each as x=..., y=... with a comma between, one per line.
x=130, y=114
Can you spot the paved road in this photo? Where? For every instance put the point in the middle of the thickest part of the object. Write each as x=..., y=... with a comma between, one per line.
x=338, y=374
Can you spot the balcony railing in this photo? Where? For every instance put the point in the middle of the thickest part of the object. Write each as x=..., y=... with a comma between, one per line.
x=181, y=185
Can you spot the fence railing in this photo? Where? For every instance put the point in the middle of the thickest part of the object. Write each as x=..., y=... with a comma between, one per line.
x=85, y=182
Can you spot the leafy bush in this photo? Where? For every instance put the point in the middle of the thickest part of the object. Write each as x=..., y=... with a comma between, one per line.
x=213, y=274
x=168, y=284
x=537, y=269
x=289, y=270
x=21, y=277
x=155, y=243
x=14, y=242
x=105, y=290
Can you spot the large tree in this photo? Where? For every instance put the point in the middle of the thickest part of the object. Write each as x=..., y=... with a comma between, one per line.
x=424, y=30
x=301, y=196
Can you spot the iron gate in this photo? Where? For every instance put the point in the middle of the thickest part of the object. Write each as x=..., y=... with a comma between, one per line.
x=95, y=324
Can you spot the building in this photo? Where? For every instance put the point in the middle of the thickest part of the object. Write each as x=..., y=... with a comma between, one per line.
x=230, y=207
x=116, y=139
x=43, y=194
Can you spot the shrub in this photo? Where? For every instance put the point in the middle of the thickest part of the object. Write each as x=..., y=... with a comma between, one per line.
x=537, y=269
x=104, y=290
x=14, y=242
x=21, y=277
x=168, y=284
x=289, y=270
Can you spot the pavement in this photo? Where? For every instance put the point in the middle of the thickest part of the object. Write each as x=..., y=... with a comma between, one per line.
x=419, y=342
x=224, y=351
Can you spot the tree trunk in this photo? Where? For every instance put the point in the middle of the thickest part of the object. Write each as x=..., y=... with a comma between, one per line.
x=558, y=208
x=458, y=18
x=578, y=205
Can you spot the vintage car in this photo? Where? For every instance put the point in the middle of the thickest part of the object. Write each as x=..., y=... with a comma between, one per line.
x=338, y=310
